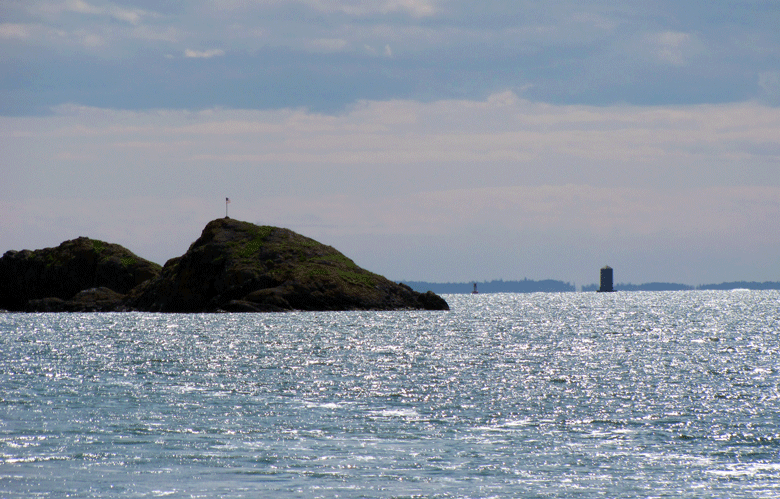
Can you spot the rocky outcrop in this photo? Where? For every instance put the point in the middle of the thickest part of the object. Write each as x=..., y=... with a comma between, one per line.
x=54, y=279
x=238, y=266
x=234, y=266
x=99, y=299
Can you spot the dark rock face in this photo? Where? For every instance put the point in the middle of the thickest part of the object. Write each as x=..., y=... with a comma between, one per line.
x=49, y=279
x=238, y=266
x=234, y=266
x=99, y=299
x=432, y=301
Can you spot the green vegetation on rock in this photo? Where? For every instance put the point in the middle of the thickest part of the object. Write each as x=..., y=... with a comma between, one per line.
x=232, y=266
x=55, y=279
x=236, y=265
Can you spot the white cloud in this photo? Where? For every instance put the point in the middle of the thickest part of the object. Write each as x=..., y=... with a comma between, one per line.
x=15, y=30
x=131, y=16
x=203, y=54
x=501, y=128
x=359, y=8
x=43, y=34
x=416, y=8
x=93, y=27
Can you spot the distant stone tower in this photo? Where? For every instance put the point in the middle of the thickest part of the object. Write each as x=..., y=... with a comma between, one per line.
x=606, y=280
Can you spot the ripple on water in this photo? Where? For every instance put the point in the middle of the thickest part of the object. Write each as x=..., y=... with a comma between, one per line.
x=543, y=395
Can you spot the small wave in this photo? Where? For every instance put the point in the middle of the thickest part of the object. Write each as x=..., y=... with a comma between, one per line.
x=405, y=413
x=746, y=470
x=323, y=405
x=32, y=459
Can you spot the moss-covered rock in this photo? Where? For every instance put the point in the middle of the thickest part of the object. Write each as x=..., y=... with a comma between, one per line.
x=239, y=266
x=36, y=280
x=233, y=266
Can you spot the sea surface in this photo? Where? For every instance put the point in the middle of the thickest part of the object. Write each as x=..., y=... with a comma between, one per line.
x=641, y=394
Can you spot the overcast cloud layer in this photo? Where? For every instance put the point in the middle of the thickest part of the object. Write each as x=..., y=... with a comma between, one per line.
x=326, y=54
x=427, y=140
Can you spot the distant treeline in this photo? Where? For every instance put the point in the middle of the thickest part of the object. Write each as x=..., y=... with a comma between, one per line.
x=670, y=286
x=552, y=286
x=524, y=286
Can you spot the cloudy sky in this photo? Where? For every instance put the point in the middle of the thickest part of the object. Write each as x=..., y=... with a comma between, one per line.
x=439, y=140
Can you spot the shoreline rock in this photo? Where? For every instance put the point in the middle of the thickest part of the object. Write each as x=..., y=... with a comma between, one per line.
x=48, y=278
x=233, y=266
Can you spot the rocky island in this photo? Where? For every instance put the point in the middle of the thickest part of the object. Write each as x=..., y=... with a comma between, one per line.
x=79, y=275
x=233, y=266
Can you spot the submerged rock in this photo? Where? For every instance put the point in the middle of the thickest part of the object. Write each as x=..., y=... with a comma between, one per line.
x=239, y=266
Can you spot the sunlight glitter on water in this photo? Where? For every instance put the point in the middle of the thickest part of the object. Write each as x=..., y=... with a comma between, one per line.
x=554, y=395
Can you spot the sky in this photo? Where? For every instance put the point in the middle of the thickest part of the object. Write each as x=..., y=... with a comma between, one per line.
x=428, y=140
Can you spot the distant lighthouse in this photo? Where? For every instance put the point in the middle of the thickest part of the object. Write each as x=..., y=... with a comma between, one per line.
x=606, y=280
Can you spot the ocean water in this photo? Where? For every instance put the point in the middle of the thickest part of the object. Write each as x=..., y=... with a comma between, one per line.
x=644, y=394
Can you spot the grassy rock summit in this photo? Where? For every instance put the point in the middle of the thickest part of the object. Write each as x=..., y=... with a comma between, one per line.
x=238, y=266
x=232, y=266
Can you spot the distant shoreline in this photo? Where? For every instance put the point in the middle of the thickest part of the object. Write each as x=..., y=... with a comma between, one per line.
x=524, y=286
x=670, y=286
x=555, y=286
